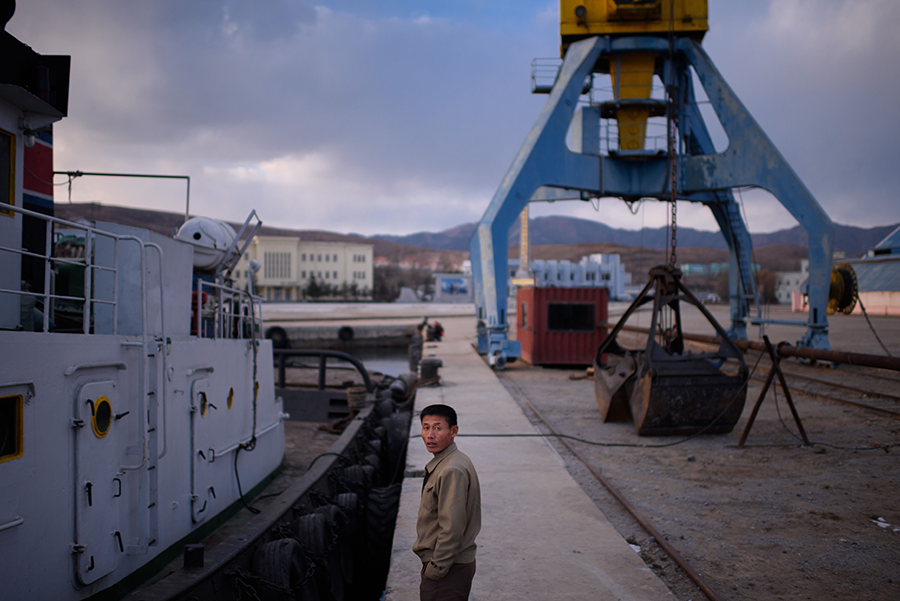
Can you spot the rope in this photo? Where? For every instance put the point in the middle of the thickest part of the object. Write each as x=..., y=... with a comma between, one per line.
x=871, y=327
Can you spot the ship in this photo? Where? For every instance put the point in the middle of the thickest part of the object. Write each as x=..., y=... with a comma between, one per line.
x=137, y=397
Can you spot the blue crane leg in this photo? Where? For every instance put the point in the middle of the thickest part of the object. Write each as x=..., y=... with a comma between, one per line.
x=543, y=160
x=741, y=286
x=751, y=159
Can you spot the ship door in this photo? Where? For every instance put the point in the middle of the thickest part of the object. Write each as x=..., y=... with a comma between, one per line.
x=97, y=485
x=203, y=422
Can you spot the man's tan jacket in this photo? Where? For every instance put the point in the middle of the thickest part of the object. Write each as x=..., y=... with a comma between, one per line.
x=450, y=513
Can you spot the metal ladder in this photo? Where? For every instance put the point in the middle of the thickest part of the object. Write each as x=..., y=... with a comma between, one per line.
x=742, y=250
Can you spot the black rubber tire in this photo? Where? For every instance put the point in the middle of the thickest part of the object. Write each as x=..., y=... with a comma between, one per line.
x=358, y=529
x=311, y=531
x=340, y=560
x=398, y=439
x=345, y=333
x=335, y=541
x=383, y=505
x=357, y=480
x=279, y=337
x=373, y=460
x=283, y=563
x=384, y=408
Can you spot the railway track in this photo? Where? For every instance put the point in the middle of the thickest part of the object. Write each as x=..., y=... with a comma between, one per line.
x=863, y=388
x=854, y=386
x=866, y=388
x=644, y=522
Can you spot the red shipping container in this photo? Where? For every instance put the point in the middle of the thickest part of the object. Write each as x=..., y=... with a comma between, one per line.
x=561, y=326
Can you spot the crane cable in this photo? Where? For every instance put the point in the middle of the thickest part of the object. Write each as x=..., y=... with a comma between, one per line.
x=670, y=136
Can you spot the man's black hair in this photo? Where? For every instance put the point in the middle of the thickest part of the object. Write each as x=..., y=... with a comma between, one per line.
x=445, y=411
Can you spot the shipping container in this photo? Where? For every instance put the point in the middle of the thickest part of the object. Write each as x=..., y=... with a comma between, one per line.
x=561, y=326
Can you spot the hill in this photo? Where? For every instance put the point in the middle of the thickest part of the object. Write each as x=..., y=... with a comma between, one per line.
x=166, y=223
x=552, y=238
x=569, y=230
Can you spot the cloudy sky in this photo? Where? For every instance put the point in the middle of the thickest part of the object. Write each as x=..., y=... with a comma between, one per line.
x=398, y=116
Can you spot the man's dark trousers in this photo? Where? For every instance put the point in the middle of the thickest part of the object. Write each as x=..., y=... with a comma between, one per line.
x=455, y=586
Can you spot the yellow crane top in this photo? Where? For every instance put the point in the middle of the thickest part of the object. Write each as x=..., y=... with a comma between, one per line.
x=579, y=19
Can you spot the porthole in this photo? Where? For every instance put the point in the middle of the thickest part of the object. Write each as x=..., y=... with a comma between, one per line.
x=230, y=397
x=101, y=416
x=11, y=430
x=204, y=405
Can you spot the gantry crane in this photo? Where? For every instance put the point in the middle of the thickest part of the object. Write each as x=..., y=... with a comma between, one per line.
x=634, y=41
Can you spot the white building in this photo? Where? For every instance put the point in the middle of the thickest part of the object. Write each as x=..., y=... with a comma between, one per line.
x=788, y=281
x=597, y=270
x=288, y=265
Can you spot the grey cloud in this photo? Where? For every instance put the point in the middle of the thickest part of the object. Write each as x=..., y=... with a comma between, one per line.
x=438, y=107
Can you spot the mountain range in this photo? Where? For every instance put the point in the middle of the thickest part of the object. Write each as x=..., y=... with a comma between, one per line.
x=453, y=244
x=570, y=230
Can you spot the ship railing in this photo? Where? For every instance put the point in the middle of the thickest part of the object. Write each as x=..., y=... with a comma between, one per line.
x=225, y=312
x=88, y=299
x=281, y=357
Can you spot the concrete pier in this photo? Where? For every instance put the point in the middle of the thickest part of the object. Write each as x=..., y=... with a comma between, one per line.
x=542, y=537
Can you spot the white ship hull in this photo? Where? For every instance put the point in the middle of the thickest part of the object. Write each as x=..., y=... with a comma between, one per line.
x=125, y=444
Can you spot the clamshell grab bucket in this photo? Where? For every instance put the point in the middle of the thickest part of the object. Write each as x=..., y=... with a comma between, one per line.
x=663, y=388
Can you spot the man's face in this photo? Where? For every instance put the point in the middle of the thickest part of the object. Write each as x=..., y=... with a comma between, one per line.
x=437, y=434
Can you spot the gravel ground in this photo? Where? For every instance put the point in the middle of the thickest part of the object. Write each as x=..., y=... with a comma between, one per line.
x=774, y=520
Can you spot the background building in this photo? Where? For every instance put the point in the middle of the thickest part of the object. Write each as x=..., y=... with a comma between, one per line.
x=786, y=282
x=453, y=288
x=289, y=266
x=878, y=276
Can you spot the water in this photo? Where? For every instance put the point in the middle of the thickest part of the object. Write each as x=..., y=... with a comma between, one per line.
x=391, y=361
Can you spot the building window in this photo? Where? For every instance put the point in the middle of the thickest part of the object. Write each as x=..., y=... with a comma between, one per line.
x=302, y=274
x=524, y=316
x=570, y=317
x=335, y=275
x=327, y=273
x=326, y=257
x=320, y=257
x=277, y=264
x=303, y=257
x=320, y=274
x=335, y=258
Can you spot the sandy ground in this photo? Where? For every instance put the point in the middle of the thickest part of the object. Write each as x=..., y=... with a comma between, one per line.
x=774, y=520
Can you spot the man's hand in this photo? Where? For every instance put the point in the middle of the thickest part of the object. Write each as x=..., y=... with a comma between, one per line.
x=433, y=572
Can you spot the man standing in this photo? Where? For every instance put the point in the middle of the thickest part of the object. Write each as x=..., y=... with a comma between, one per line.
x=450, y=511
